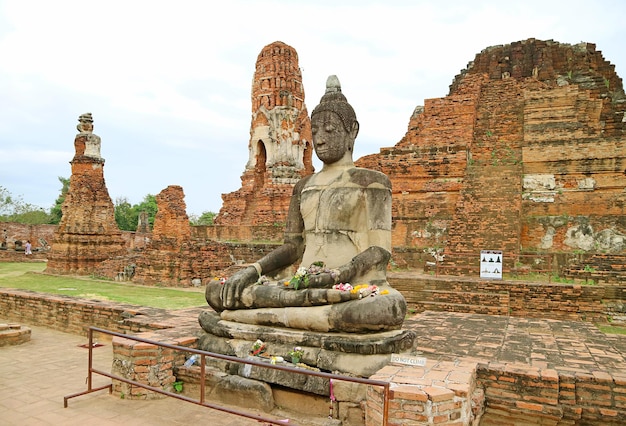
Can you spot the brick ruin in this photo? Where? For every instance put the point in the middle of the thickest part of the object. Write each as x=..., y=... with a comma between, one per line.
x=177, y=254
x=526, y=154
x=87, y=234
x=13, y=237
x=280, y=149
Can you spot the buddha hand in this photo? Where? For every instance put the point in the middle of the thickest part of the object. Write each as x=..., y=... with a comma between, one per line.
x=234, y=286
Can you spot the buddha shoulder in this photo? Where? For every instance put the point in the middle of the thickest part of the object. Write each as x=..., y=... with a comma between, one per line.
x=367, y=177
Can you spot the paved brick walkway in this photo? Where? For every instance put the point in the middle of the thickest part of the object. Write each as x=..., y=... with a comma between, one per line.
x=35, y=376
x=540, y=343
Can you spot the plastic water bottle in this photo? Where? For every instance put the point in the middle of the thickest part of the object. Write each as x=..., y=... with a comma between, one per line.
x=191, y=361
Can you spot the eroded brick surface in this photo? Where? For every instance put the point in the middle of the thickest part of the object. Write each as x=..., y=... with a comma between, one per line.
x=525, y=153
x=280, y=147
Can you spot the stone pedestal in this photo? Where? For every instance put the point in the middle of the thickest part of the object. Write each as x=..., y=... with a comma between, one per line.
x=343, y=353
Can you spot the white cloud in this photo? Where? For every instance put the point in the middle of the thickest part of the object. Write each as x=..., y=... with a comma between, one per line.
x=169, y=82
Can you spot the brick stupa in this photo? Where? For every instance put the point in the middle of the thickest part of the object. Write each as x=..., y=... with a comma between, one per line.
x=87, y=234
x=280, y=147
x=526, y=153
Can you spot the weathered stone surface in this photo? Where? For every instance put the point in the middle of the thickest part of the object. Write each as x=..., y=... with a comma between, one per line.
x=531, y=132
x=339, y=327
x=351, y=353
x=342, y=363
x=354, y=315
x=383, y=342
x=280, y=148
x=87, y=234
x=243, y=392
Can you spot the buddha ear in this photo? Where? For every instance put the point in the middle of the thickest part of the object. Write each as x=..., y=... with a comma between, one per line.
x=354, y=131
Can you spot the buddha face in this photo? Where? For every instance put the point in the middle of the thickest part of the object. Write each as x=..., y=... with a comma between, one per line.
x=330, y=139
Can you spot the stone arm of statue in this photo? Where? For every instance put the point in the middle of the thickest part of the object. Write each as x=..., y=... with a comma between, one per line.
x=371, y=262
x=277, y=259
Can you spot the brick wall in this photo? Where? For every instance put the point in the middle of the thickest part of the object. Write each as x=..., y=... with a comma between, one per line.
x=526, y=153
x=520, y=394
x=68, y=314
x=40, y=236
x=574, y=302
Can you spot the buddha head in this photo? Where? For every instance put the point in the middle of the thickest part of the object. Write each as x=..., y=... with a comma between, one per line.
x=333, y=124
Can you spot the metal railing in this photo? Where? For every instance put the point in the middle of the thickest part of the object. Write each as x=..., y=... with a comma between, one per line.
x=201, y=401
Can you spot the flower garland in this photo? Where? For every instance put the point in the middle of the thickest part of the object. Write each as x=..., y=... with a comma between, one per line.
x=361, y=290
x=258, y=347
x=301, y=277
x=297, y=352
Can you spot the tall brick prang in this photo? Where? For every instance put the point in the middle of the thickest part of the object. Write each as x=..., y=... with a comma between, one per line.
x=280, y=149
x=87, y=234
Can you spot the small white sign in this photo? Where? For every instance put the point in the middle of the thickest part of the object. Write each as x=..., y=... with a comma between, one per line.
x=408, y=360
x=491, y=262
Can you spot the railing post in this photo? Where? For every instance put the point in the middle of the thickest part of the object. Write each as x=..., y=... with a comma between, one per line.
x=202, y=367
x=385, y=404
x=90, y=363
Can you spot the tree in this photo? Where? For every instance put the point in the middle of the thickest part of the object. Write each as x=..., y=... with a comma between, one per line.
x=206, y=218
x=6, y=202
x=55, y=212
x=125, y=215
x=14, y=209
x=148, y=205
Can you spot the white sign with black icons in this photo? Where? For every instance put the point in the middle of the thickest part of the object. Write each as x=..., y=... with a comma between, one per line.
x=491, y=264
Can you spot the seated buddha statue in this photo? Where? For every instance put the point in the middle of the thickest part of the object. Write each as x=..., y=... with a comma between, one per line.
x=338, y=233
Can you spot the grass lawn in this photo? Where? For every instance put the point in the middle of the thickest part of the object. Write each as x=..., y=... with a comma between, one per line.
x=612, y=329
x=28, y=276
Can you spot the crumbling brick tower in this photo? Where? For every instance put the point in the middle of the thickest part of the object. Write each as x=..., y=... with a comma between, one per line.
x=87, y=234
x=280, y=147
x=525, y=154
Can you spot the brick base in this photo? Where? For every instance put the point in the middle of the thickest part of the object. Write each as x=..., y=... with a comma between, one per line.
x=442, y=393
x=13, y=334
x=147, y=364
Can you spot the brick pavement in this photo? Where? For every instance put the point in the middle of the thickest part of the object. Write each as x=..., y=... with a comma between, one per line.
x=35, y=376
x=539, y=343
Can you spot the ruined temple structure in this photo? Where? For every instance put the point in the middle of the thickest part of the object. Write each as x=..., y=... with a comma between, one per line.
x=173, y=256
x=526, y=154
x=88, y=233
x=161, y=259
x=280, y=142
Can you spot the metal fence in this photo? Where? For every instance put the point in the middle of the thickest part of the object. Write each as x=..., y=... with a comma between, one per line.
x=202, y=401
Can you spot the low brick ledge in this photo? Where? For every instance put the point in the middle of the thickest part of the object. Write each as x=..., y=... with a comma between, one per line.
x=13, y=334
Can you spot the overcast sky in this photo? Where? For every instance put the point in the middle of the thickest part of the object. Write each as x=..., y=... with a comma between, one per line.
x=168, y=82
